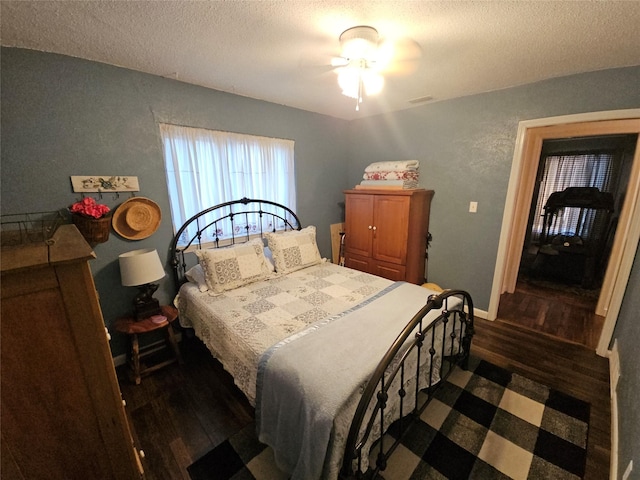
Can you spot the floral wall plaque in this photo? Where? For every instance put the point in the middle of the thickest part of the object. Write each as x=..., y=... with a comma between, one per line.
x=104, y=183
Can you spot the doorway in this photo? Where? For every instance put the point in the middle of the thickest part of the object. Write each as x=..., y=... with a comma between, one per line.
x=580, y=186
x=531, y=135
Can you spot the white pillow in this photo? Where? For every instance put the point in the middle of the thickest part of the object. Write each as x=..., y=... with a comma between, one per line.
x=196, y=275
x=294, y=249
x=232, y=267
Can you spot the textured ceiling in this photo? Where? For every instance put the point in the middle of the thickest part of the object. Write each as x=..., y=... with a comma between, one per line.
x=275, y=50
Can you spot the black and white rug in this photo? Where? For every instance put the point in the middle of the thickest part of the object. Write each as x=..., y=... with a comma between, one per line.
x=485, y=423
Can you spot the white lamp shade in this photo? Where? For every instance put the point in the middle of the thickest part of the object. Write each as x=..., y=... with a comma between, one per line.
x=140, y=267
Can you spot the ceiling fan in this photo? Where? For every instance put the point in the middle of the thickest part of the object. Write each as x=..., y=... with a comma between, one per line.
x=365, y=57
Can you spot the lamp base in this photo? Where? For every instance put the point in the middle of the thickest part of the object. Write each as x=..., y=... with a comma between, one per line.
x=147, y=309
x=144, y=304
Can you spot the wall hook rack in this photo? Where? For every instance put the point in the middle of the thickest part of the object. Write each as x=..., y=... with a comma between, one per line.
x=104, y=183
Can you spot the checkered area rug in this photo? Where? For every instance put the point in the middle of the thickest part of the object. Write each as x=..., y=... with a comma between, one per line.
x=484, y=423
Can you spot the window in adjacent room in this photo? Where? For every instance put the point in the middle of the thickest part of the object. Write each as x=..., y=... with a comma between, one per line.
x=572, y=170
x=208, y=167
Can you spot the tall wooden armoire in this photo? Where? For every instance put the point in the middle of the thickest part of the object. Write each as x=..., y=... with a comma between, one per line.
x=63, y=416
x=386, y=232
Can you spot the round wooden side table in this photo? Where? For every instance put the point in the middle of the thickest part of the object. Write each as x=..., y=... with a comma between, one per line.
x=132, y=327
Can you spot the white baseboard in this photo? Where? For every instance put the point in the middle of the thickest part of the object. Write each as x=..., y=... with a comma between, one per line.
x=614, y=375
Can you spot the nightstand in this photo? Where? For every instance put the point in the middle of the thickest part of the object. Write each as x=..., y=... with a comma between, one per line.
x=133, y=328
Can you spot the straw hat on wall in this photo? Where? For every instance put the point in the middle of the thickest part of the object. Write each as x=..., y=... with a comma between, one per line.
x=137, y=218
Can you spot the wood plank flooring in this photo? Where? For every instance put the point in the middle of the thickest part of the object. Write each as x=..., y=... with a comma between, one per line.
x=181, y=412
x=558, y=310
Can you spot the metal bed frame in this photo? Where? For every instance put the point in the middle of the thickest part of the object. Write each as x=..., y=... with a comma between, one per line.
x=417, y=338
x=455, y=320
x=232, y=212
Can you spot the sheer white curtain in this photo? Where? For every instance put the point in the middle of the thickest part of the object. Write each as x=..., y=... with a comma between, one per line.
x=562, y=171
x=207, y=167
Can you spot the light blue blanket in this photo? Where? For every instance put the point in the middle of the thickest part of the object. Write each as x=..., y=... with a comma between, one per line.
x=305, y=380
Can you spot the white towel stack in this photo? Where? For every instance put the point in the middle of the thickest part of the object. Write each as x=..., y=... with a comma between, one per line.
x=395, y=175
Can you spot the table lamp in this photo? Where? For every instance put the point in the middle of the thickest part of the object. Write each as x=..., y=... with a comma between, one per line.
x=140, y=268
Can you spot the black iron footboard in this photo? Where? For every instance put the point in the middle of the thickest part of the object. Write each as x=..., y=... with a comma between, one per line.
x=437, y=346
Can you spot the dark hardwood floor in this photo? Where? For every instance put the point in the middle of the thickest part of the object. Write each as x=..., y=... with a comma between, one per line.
x=181, y=412
x=563, y=311
x=549, y=332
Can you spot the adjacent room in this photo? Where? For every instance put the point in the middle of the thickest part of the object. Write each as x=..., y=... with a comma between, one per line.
x=294, y=239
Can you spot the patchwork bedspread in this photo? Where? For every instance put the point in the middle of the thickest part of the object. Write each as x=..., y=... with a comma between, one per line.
x=240, y=325
x=303, y=412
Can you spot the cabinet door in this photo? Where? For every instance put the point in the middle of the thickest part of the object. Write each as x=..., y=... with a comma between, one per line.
x=358, y=262
x=358, y=224
x=391, y=228
x=43, y=388
x=61, y=411
x=392, y=271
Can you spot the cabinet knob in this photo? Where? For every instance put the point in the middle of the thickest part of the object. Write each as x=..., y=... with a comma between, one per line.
x=370, y=227
x=124, y=402
x=375, y=228
x=106, y=331
x=141, y=453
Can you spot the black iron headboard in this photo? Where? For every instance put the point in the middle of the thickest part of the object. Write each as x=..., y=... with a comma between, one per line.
x=225, y=224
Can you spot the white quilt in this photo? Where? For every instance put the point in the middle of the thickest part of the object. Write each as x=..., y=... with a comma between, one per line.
x=306, y=402
x=240, y=325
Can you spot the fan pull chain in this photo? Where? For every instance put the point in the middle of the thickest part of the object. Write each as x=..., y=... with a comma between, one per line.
x=359, y=99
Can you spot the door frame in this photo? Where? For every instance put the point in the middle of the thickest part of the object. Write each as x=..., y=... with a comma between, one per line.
x=531, y=134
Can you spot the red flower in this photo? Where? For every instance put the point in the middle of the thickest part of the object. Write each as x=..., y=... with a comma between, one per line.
x=88, y=207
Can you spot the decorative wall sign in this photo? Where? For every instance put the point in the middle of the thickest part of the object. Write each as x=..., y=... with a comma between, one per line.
x=98, y=183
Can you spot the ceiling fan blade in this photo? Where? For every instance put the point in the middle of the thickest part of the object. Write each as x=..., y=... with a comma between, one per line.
x=401, y=67
x=339, y=62
x=399, y=57
x=321, y=61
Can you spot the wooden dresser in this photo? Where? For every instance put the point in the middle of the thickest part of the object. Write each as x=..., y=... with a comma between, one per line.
x=62, y=416
x=386, y=232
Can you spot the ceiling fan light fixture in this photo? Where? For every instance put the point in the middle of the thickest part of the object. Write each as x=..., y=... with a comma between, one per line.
x=348, y=81
x=353, y=80
x=359, y=43
x=358, y=71
x=373, y=82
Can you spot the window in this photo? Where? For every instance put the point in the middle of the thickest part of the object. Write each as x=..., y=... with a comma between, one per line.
x=206, y=167
x=562, y=171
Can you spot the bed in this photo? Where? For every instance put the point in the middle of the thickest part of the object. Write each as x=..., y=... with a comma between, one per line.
x=329, y=356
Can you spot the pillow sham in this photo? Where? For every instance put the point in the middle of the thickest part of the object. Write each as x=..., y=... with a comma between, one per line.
x=294, y=249
x=196, y=275
x=232, y=267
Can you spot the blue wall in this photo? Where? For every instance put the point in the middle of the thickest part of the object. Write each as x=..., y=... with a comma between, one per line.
x=627, y=334
x=64, y=116
x=465, y=147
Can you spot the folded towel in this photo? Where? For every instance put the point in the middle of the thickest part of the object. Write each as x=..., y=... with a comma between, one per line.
x=404, y=184
x=385, y=175
x=393, y=166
